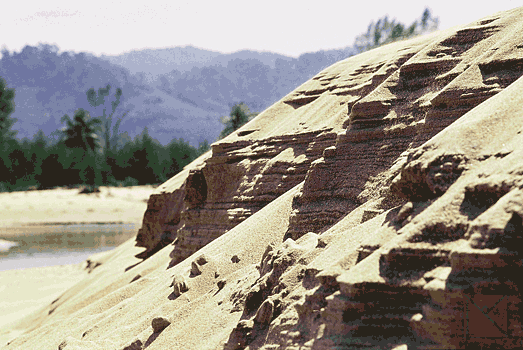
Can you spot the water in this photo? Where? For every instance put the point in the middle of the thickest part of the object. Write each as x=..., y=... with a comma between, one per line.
x=59, y=244
x=40, y=259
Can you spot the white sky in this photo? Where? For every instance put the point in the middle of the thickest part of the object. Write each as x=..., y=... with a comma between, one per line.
x=286, y=27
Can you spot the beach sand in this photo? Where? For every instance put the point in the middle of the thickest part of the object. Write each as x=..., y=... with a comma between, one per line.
x=27, y=290
x=112, y=204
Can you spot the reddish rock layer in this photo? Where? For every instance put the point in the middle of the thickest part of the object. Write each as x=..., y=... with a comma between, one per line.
x=240, y=179
x=161, y=220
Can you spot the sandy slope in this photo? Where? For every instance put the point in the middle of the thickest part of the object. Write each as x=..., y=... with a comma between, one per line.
x=424, y=220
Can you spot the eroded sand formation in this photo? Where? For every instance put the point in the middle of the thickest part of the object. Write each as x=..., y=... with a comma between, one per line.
x=379, y=205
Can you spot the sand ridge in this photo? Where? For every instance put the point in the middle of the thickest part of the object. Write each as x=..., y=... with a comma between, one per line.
x=386, y=199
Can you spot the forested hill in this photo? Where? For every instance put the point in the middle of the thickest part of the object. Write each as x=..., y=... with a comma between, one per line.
x=186, y=102
x=152, y=63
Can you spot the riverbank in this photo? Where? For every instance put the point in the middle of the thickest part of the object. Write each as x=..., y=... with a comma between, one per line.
x=51, y=224
x=25, y=210
x=36, y=213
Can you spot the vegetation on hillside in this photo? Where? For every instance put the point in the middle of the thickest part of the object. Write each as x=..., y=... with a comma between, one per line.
x=86, y=154
x=7, y=106
x=385, y=31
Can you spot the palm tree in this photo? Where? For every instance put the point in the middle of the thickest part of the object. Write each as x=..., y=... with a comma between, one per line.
x=80, y=133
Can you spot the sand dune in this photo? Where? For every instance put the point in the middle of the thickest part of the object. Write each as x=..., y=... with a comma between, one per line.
x=378, y=206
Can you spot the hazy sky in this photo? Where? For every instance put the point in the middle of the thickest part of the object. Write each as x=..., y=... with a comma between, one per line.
x=286, y=27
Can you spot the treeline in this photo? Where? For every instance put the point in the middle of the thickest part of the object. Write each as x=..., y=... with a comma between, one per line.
x=43, y=163
x=87, y=151
x=385, y=31
x=90, y=152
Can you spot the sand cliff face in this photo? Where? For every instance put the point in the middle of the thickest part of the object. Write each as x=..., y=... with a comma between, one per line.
x=343, y=130
x=379, y=205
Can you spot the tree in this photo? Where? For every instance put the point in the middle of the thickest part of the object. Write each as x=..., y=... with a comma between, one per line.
x=385, y=31
x=53, y=173
x=203, y=147
x=428, y=23
x=7, y=141
x=81, y=131
x=80, y=135
x=109, y=135
x=7, y=106
x=38, y=152
x=179, y=154
x=240, y=115
x=145, y=163
x=21, y=167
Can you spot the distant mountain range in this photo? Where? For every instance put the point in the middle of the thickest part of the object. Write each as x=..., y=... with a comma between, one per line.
x=178, y=92
x=161, y=61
